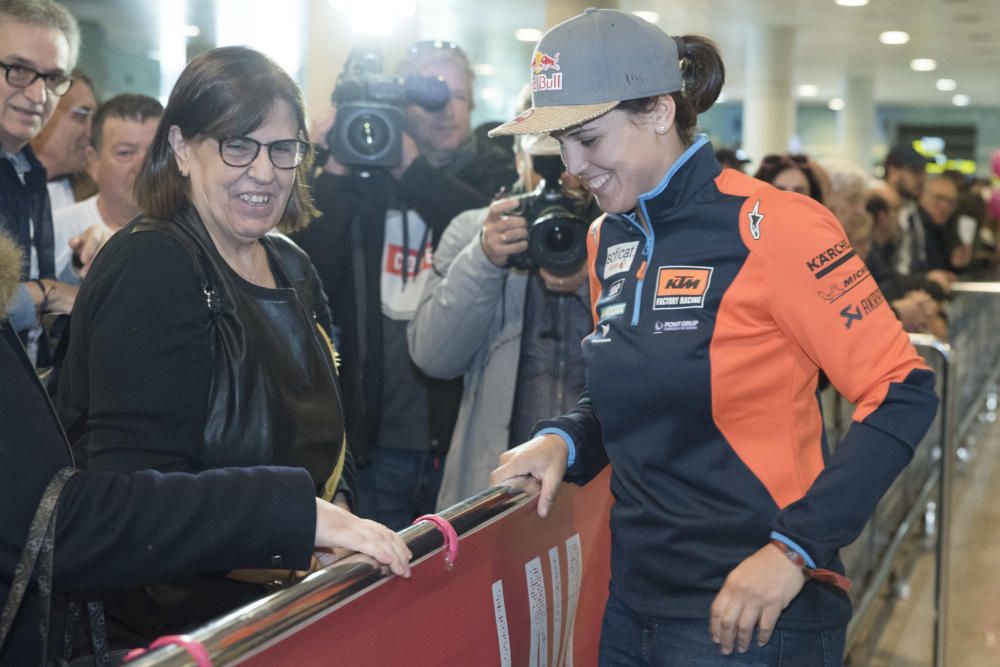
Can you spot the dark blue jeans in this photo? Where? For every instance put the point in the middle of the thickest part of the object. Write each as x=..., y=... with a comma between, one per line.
x=630, y=639
x=398, y=486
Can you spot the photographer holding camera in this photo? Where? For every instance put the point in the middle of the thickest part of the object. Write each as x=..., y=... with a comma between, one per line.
x=403, y=163
x=507, y=307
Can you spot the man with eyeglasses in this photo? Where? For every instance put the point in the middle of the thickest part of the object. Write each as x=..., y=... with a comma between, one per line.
x=39, y=43
x=372, y=248
x=62, y=143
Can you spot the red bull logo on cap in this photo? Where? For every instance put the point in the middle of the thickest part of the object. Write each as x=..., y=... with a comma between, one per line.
x=543, y=62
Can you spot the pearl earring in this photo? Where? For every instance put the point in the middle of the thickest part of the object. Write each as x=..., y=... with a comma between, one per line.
x=660, y=129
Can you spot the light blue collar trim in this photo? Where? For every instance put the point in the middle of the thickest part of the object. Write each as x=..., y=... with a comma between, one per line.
x=700, y=140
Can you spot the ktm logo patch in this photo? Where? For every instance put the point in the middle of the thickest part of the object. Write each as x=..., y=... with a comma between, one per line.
x=681, y=287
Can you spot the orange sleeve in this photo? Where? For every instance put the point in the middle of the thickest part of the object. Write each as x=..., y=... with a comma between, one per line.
x=823, y=298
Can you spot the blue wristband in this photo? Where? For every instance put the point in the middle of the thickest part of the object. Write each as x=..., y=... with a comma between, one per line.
x=569, y=442
x=792, y=545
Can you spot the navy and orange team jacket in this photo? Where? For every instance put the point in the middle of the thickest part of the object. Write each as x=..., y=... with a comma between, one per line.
x=711, y=326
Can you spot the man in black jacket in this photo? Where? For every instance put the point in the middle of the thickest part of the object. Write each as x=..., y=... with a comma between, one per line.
x=39, y=43
x=372, y=247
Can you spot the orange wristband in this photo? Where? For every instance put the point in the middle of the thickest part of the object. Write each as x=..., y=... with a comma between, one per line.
x=822, y=576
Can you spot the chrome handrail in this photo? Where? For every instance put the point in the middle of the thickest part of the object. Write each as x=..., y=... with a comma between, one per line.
x=255, y=627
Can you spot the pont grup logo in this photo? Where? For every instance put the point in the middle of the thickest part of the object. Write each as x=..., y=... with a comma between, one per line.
x=681, y=287
x=542, y=63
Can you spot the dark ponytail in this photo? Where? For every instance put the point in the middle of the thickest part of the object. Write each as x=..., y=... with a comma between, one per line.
x=702, y=70
x=702, y=74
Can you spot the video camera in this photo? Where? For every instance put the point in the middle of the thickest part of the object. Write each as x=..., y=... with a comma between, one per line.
x=557, y=230
x=368, y=130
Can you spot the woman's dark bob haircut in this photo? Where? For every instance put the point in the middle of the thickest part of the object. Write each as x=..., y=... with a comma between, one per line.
x=224, y=92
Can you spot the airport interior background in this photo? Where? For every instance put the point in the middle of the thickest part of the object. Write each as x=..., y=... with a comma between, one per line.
x=830, y=78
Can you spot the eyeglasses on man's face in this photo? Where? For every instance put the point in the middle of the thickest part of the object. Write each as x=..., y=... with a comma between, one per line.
x=21, y=76
x=242, y=151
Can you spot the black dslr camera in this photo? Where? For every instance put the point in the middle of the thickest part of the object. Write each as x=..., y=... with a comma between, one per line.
x=557, y=230
x=368, y=130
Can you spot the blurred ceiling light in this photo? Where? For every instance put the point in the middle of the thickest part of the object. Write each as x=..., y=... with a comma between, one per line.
x=807, y=90
x=278, y=34
x=528, y=35
x=851, y=3
x=894, y=37
x=946, y=85
x=835, y=104
x=191, y=31
x=923, y=64
x=722, y=97
x=483, y=69
x=489, y=94
x=375, y=17
x=961, y=100
x=652, y=17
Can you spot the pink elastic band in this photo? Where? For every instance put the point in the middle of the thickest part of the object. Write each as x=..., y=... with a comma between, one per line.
x=450, y=536
x=195, y=649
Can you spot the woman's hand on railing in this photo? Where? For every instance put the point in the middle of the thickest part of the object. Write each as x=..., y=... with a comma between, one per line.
x=542, y=458
x=338, y=528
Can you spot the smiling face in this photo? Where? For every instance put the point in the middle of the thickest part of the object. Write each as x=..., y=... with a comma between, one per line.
x=620, y=156
x=23, y=111
x=238, y=204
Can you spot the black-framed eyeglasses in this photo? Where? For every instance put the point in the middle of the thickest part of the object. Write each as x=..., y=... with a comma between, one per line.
x=242, y=151
x=20, y=76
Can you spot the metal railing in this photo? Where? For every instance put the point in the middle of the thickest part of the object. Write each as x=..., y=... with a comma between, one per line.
x=913, y=513
x=257, y=626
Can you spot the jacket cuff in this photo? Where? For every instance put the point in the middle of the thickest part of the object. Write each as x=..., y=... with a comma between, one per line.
x=571, y=459
x=22, y=310
x=788, y=542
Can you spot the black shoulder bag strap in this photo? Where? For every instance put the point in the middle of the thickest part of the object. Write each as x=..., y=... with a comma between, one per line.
x=41, y=543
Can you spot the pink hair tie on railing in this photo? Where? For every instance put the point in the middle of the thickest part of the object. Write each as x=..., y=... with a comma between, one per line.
x=450, y=536
x=195, y=649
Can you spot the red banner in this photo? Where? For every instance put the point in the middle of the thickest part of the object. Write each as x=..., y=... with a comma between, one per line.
x=524, y=591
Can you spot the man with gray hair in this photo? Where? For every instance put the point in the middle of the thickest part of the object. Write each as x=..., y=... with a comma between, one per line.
x=39, y=43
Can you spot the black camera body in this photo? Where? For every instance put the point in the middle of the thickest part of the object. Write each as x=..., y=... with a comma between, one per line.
x=557, y=230
x=368, y=129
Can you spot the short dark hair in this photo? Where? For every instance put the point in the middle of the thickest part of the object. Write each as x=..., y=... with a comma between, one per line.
x=224, y=92
x=139, y=108
x=48, y=14
x=774, y=164
x=703, y=75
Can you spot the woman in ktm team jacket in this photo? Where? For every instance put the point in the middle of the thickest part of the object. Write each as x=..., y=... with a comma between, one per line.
x=717, y=299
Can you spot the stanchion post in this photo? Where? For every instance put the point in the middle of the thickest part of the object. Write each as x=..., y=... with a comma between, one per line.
x=946, y=465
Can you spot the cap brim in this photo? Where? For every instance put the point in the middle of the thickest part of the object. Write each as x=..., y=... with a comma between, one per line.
x=544, y=120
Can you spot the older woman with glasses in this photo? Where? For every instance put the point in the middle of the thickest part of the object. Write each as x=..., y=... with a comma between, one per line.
x=200, y=339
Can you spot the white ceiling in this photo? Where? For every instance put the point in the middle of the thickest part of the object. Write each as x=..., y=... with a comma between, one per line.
x=830, y=40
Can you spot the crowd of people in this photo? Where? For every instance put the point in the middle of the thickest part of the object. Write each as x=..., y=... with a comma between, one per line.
x=249, y=348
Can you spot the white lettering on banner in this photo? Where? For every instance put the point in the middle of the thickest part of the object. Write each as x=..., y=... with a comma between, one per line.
x=503, y=632
x=574, y=566
x=619, y=258
x=556, y=571
x=539, y=613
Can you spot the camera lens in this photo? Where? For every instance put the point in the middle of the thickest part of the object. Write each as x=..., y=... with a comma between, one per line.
x=368, y=134
x=559, y=238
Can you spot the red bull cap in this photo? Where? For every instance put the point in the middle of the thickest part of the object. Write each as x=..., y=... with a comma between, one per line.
x=587, y=65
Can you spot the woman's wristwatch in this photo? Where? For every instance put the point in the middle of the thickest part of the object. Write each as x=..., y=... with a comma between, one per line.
x=823, y=576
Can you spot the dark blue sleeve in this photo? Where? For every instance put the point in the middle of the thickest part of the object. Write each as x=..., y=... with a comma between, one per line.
x=843, y=497
x=582, y=430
